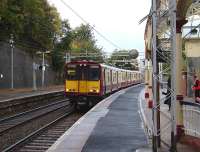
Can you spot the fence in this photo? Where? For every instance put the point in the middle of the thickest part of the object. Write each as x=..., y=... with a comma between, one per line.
x=191, y=115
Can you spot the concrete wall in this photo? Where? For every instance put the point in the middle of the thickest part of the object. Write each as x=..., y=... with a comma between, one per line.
x=23, y=69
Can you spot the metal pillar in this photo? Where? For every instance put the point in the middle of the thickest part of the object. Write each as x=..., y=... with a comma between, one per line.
x=173, y=73
x=158, y=107
x=155, y=97
x=161, y=14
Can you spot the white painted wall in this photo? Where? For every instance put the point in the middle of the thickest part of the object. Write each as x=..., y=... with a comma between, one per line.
x=192, y=47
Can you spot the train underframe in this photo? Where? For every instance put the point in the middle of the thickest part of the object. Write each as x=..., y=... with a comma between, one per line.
x=85, y=101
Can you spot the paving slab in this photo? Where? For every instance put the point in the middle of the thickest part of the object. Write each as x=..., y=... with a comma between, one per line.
x=113, y=125
x=146, y=114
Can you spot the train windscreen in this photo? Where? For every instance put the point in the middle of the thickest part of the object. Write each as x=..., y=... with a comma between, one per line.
x=94, y=73
x=77, y=72
x=72, y=73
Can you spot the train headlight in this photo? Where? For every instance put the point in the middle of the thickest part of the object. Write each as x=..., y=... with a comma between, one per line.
x=67, y=90
x=94, y=90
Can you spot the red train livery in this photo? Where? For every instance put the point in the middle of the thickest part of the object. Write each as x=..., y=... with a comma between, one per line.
x=86, y=81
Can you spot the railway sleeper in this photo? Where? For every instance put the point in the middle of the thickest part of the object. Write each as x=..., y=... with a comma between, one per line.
x=39, y=144
x=43, y=141
x=40, y=147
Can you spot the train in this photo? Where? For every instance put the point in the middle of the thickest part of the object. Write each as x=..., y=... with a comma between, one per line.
x=87, y=82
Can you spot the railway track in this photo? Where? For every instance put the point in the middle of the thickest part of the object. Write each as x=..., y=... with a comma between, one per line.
x=44, y=137
x=15, y=127
x=21, y=104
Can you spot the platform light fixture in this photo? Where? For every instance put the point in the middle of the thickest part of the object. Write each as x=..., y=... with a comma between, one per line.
x=43, y=64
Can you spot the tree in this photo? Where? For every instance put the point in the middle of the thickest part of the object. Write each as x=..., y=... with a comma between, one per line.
x=33, y=23
x=61, y=46
x=124, y=59
x=84, y=43
x=41, y=24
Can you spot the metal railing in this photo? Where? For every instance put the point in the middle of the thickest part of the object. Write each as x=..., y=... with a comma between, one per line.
x=191, y=115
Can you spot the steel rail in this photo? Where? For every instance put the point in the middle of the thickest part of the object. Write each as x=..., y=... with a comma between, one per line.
x=35, y=117
x=29, y=111
x=37, y=132
x=16, y=105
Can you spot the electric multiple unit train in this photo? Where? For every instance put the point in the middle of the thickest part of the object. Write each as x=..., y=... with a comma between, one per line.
x=87, y=81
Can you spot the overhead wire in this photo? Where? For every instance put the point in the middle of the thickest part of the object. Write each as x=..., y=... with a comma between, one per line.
x=99, y=33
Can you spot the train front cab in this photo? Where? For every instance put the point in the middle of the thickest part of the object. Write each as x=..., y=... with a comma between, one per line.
x=82, y=82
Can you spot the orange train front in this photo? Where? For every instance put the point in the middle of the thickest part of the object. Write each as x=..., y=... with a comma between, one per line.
x=86, y=82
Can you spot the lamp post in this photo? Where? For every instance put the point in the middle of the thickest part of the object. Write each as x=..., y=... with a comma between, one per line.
x=43, y=64
x=12, y=47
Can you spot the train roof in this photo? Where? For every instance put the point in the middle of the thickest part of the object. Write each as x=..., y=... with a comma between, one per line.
x=102, y=65
x=82, y=62
x=110, y=67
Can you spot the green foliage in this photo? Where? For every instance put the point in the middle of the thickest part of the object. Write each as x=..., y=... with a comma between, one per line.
x=36, y=26
x=84, y=42
x=32, y=22
x=74, y=41
x=62, y=45
x=124, y=59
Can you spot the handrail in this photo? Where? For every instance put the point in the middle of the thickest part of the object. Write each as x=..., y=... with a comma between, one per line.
x=189, y=103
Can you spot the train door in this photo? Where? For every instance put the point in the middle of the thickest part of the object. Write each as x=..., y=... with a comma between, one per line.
x=111, y=81
x=83, y=73
x=117, y=79
x=71, y=78
x=105, y=79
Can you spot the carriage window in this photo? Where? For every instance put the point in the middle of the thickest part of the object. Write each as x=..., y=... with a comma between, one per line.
x=71, y=74
x=83, y=73
x=94, y=73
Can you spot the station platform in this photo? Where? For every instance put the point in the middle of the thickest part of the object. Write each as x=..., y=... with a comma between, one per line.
x=113, y=125
x=146, y=113
x=8, y=94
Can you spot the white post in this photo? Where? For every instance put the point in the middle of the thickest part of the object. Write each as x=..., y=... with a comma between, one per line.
x=12, y=47
x=67, y=57
x=34, y=77
x=43, y=69
x=12, y=77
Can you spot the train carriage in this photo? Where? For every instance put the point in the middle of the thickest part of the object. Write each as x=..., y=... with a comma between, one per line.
x=87, y=81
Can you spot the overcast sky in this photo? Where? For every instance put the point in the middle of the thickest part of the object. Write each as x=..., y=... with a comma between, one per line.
x=117, y=20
